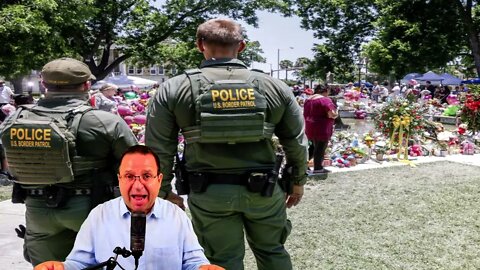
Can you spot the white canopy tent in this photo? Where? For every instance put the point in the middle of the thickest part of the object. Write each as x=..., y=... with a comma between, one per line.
x=125, y=82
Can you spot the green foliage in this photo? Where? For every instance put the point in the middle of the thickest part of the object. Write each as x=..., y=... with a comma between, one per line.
x=25, y=39
x=414, y=36
x=397, y=36
x=35, y=31
x=185, y=55
x=285, y=64
x=252, y=53
x=342, y=26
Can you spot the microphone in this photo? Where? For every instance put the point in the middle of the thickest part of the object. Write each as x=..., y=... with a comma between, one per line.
x=137, y=235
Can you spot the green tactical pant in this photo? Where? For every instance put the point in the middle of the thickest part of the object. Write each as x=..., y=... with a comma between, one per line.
x=51, y=232
x=222, y=214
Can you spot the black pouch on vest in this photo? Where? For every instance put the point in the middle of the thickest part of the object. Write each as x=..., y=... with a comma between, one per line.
x=269, y=186
x=256, y=182
x=198, y=182
x=18, y=194
x=55, y=196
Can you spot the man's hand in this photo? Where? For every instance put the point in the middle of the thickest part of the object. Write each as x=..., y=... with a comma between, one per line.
x=176, y=199
x=210, y=267
x=21, y=231
x=49, y=265
x=296, y=196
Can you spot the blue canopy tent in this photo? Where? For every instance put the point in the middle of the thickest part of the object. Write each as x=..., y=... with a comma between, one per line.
x=472, y=81
x=410, y=76
x=450, y=79
x=367, y=84
x=431, y=76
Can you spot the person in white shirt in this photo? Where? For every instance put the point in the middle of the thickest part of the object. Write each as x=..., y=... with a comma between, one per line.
x=5, y=93
x=170, y=242
x=395, y=91
x=104, y=100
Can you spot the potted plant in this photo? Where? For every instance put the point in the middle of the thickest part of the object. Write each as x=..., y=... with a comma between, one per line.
x=379, y=152
x=443, y=148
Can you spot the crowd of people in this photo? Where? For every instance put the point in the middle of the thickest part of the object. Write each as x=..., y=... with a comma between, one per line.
x=382, y=92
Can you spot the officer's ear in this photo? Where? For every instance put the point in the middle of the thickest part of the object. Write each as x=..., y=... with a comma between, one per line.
x=241, y=46
x=200, y=46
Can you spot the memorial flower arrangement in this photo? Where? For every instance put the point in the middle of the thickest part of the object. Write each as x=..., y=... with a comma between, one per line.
x=400, y=115
x=470, y=112
x=399, y=121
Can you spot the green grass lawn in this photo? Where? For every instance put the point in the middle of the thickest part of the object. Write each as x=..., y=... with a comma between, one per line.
x=393, y=218
x=5, y=193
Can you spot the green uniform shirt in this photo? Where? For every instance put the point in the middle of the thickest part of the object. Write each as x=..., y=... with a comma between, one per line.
x=100, y=134
x=172, y=109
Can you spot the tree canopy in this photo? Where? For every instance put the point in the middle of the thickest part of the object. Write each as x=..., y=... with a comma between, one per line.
x=32, y=32
x=397, y=36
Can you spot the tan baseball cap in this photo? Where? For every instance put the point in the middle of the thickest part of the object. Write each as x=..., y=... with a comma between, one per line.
x=66, y=71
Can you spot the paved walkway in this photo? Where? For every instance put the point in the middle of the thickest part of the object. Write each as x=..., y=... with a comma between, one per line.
x=11, y=255
x=370, y=164
x=11, y=215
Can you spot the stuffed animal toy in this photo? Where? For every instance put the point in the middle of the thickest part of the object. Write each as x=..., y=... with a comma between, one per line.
x=468, y=148
x=415, y=150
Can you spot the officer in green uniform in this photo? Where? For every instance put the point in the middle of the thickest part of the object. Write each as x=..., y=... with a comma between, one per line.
x=63, y=155
x=228, y=115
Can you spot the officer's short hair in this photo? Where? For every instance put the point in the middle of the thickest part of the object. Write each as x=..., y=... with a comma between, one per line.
x=224, y=32
x=144, y=150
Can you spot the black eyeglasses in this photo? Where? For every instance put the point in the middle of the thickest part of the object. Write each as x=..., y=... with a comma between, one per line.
x=145, y=178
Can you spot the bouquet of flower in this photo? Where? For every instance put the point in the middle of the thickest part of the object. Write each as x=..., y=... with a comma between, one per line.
x=400, y=113
x=470, y=112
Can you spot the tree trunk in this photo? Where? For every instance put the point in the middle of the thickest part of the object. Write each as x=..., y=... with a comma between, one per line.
x=17, y=85
x=466, y=16
x=475, y=46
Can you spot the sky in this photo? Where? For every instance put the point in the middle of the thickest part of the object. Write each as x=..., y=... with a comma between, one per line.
x=277, y=32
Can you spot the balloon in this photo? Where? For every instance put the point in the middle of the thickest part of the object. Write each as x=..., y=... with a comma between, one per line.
x=451, y=110
x=140, y=108
x=128, y=119
x=130, y=95
x=453, y=100
x=8, y=109
x=140, y=119
x=124, y=110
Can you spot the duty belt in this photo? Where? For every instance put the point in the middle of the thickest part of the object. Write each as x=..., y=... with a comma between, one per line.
x=227, y=179
x=72, y=192
x=223, y=178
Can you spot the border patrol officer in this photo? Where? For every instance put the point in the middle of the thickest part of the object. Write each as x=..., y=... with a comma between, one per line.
x=56, y=202
x=228, y=115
